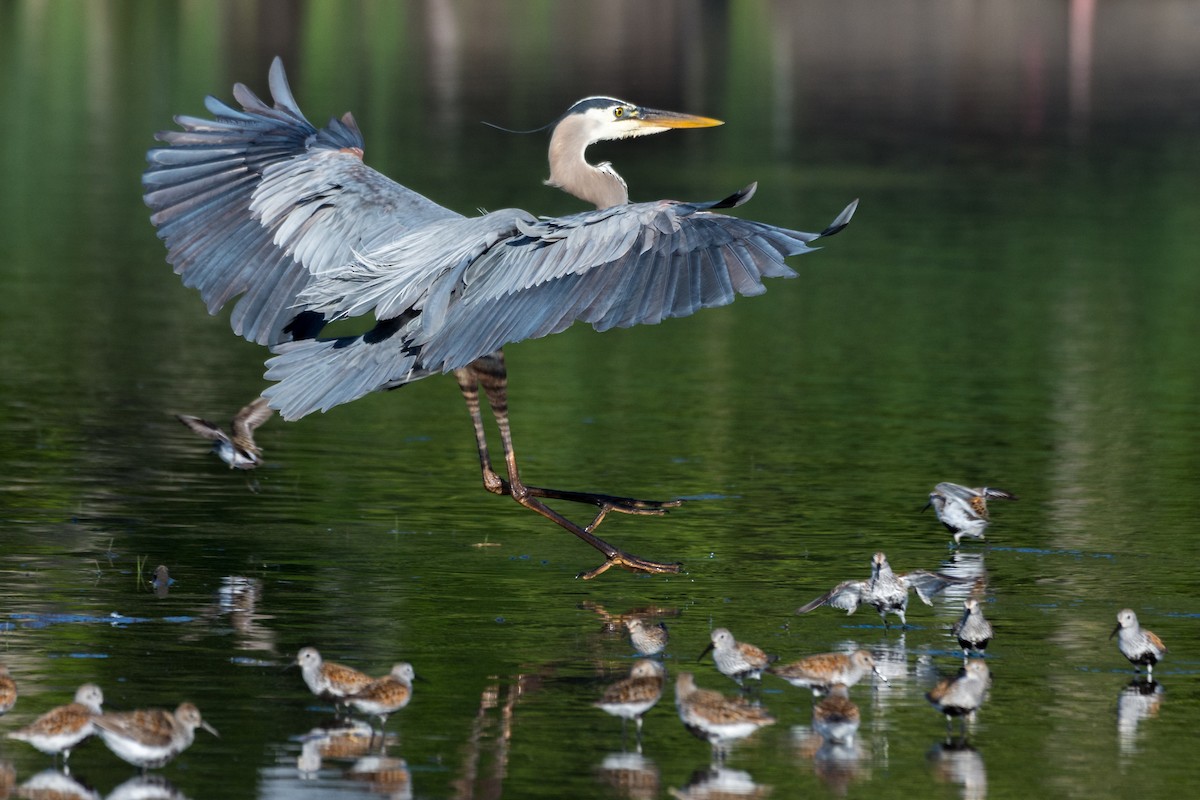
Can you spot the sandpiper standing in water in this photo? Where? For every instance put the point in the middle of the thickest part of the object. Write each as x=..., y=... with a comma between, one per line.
x=239, y=450
x=718, y=719
x=964, y=511
x=327, y=680
x=822, y=671
x=886, y=591
x=61, y=729
x=972, y=630
x=647, y=639
x=961, y=695
x=384, y=696
x=1140, y=646
x=151, y=737
x=8, y=690
x=632, y=697
x=734, y=659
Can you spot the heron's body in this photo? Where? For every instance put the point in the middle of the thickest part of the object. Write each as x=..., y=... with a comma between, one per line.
x=259, y=203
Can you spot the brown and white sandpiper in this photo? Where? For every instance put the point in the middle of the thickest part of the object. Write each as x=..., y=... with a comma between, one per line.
x=1140, y=646
x=734, y=659
x=61, y=729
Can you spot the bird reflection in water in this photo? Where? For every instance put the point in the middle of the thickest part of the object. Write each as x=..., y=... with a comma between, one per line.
x=161, y=582
x=630, y=775
x=711, y=783
x=385, y=775
x=955, y=761
x=836, y=764
x=146, y=787
x=343, y=739
x=1139, y=700
x=59, y=785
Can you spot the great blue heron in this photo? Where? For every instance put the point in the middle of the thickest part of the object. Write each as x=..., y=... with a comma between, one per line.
x=260, y=203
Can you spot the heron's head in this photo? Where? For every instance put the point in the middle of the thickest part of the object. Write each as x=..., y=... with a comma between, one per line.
x=599, y=119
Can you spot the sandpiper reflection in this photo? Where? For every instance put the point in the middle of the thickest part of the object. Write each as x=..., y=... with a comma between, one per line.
x=714, y=782
x=146, y=787
x=955, y=761
x=1138, y=700
x=630, y=775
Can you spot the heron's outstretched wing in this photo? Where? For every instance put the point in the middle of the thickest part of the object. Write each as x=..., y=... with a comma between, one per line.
x=258, y=201
x=616, y=267
x=455, y=290
x=846, y=596
x=927, y=584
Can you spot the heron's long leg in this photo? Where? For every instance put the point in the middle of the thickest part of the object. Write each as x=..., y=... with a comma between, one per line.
x=490, y=373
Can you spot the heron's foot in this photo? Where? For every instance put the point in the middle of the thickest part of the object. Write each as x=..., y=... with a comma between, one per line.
x=633, y=564
x=607, y=502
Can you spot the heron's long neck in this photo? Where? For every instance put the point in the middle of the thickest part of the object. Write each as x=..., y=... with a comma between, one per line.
x=570, y=171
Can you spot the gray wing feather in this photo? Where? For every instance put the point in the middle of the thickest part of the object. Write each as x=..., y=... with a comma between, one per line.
x=257, y=201
x=927, y=584
x=689, y=259
x=455, y=290
x=846, y=596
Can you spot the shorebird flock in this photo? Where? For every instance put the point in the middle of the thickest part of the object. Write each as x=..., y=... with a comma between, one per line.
x=151, y=738
x=722, y=720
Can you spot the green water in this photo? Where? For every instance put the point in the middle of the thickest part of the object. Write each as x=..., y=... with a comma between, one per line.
x=1014, y=305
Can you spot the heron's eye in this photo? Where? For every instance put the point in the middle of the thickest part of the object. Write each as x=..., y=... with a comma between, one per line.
x=618, y=112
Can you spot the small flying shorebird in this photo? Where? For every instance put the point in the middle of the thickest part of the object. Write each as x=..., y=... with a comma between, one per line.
x=1140, y=646
x=885, y=591
x=964, y=511
x=239, y=450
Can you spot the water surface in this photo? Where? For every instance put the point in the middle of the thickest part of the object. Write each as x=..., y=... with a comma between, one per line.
x=1014, y=305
